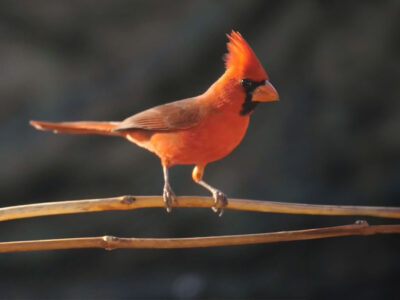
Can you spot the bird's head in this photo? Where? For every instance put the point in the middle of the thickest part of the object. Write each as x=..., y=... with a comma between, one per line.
x=243, y=66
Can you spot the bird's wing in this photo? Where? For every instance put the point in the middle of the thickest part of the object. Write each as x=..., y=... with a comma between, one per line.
x=176, y=115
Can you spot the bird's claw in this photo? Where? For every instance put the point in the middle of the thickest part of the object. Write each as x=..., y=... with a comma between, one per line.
x=169, y=197
x=220, y=201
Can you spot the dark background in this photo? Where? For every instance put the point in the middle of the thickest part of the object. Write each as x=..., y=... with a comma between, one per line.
x=332, y=139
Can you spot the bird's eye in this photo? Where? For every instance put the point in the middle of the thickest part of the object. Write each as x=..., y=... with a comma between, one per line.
x=246, y=83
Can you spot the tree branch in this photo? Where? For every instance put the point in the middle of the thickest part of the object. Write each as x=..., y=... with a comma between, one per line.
x=111, y=242
x=135, y=202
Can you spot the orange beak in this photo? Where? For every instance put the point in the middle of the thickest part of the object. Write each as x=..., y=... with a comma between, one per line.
x=265, y=93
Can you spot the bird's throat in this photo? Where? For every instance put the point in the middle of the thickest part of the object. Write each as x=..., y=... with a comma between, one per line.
x=248, y=105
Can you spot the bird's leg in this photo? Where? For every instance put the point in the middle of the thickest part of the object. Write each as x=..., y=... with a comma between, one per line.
x=168, y=193
x=220, y=199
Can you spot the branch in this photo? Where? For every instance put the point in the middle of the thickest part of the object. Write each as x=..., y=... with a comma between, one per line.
x=111, y=242
x=134, y=202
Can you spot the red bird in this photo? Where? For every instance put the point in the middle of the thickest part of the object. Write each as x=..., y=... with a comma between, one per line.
x=196, y=130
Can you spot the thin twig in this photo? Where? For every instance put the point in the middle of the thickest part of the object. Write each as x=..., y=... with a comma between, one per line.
x=134, y=202
x=111, y=242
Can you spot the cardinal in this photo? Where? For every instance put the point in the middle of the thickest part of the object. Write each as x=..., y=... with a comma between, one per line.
x=197, y=130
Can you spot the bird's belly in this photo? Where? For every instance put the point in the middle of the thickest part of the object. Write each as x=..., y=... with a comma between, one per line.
x=211, y=140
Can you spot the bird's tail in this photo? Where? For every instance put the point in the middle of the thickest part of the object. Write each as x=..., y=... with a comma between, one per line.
x=104, y=128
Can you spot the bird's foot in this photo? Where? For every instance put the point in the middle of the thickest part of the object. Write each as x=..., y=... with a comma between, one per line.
x=220, y=201
x=169, y=197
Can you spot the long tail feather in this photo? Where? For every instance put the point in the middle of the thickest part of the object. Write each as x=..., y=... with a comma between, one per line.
x=104, y=128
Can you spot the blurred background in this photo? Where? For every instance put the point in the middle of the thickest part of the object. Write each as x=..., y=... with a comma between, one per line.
x=332, y=139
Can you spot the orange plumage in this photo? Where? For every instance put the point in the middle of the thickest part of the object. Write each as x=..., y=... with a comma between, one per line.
x=196, y=130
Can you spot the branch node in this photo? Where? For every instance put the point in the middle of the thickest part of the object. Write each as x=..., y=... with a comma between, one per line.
x=108, y=242
x=362, y=223
x=128, y=199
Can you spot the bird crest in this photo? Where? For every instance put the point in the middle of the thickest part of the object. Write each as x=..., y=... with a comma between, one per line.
x=241, y=59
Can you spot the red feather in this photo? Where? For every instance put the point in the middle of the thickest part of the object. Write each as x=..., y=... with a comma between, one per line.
x=241, y=59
